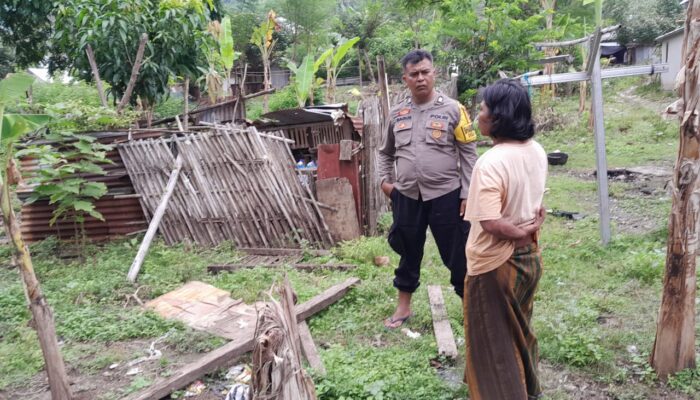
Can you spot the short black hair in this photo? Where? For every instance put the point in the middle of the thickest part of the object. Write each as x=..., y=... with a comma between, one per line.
x=510, y=110
x=415, y=56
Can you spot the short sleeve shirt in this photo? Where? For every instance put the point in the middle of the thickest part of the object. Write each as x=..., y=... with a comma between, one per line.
x=508, y=182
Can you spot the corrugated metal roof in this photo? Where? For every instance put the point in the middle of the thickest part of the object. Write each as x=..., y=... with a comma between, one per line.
x=120, y=206
x=670, y=34
x=300, y=116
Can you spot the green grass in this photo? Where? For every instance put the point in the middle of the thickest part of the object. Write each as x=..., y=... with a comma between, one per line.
x=594, y=303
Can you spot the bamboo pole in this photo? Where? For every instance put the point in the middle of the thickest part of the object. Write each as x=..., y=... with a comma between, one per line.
x=153, y=226
x=42, y=319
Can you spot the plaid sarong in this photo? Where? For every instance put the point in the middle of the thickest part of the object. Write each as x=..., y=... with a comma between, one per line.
x=502, y=356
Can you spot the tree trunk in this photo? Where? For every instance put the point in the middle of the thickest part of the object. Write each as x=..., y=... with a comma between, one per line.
x=266, y=81
x=96, y=75
x=368, y=64
x=674, y=347
x=41, y=312
x=548, y=90
x=134, y=73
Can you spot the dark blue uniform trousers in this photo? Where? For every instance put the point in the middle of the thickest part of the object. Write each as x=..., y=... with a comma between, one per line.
x=407, y=237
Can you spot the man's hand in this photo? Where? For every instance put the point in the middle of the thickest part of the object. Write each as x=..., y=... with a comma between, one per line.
x=463, y=207
x=387, y=188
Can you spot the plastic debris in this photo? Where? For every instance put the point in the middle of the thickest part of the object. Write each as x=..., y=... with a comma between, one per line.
x=410, y=333
x=133, y=371
x=195, y=389
x=239, y=391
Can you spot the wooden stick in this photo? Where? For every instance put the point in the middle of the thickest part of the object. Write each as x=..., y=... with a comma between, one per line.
x=283, y=252
x=443, y=331
x=309, y=348
x=227, y=354
x=153, y=226
x=609, y=29
x=187, y=104
x=215, y=269
x=96, y=75
x=134, y=73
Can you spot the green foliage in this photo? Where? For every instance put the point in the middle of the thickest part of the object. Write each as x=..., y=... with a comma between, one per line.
x=176, y=31
x=486, y=40
x=80, y=117
x=686, y=381
x=304, y=76
x=226, y=44
x=360, y=372
x=643, y=20
x=24, y=25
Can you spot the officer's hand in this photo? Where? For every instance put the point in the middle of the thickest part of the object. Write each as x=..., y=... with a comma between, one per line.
x=463, y=207
x=387, y=188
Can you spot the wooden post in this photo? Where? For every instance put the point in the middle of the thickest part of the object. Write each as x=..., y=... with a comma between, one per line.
x=134, y=73
x=359, y=64
x=42, y=317
x=383, y=87
x=96, y=75
x=155, y=221
x=186, y=116
x=674, y=347
x=601, y=160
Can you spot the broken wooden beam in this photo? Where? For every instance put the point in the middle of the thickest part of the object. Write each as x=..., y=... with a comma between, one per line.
x=443, y=331
x=283, y=252
x=308, y=347
x=215, y=269
x=228, y=353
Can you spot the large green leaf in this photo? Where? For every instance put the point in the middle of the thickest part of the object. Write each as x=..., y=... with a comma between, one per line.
x=14, y=86
x=226, y=43
x=322, y=58
x=16, y=125
x=343, y=50
x=304, y=79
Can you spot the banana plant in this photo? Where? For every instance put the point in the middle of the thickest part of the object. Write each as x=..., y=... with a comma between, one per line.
x=334, y=67
x=263, y=40
x=12, y=127
x=304, y=76
x=598, y=10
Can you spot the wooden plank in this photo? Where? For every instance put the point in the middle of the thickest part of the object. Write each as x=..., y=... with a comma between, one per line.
x=345, y=150
x=309, y=348
x=283, y=252
x=228, y=353
x=337, y=193
x=443, y=331
x=215, y=269
x=323, y=300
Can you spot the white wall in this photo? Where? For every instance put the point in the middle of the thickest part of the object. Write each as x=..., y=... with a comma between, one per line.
x=671, y=54
x=644, y=55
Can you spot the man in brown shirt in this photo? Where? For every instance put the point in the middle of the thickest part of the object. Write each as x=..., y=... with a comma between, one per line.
x=425, y=163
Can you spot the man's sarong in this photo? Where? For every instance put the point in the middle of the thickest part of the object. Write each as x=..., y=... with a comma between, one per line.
x=502, y=355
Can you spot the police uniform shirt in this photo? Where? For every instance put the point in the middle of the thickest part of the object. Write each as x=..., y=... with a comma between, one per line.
x=429, y=150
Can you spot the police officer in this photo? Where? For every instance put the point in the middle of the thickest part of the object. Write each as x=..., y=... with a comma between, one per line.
x=425, y=164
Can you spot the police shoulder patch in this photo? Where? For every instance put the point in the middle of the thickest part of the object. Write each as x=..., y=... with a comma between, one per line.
x=464, y=133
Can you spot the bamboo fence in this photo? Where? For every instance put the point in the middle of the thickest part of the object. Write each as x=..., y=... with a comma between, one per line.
x=374, y=201
x=236, y=184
